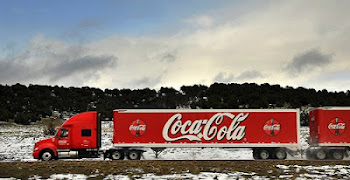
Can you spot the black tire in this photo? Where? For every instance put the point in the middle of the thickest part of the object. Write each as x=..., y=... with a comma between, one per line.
x=309, y=154
x=47, y=155
x=320, y=154
x=280, y=154
x=265, y=154
x=117, y=155
x=256, y=153
x=134, y=155
x=336, y=154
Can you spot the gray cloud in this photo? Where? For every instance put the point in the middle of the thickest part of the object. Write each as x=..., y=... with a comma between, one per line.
x=168, y=57
x=80, y=65
x=249, y=75
x=147, y=81
x=224, y=77
x=307, y=60
x=50, y=62
x=246, y=75
x=11, y=71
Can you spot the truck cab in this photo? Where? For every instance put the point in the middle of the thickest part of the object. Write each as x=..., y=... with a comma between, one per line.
x=78, y=137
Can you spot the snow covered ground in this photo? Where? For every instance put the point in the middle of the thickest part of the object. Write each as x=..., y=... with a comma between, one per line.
x=17, y=141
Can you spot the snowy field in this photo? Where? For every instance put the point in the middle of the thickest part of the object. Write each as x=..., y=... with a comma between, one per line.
x=16, y=144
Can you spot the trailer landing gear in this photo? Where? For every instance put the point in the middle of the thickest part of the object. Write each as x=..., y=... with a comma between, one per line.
x=157, y=151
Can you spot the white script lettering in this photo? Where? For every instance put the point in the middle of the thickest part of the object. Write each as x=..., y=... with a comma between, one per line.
x=137, y=128
x=272, y=127
x=194, y=130
x=336, y=126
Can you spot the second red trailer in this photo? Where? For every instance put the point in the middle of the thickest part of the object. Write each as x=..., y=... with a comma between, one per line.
x=329, y=135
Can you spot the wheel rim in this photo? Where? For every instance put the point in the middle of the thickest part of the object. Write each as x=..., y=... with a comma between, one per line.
x=337, y=155
x=320, y=154
x=46, y=156
x=116, y=155
x=280, y=154
x=133, y=155
x=264, y=154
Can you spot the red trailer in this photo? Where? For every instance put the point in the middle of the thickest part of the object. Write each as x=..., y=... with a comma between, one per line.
x=271, y=133
x=329, y=137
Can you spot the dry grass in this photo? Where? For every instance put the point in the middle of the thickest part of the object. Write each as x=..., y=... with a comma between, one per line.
x=23, y=170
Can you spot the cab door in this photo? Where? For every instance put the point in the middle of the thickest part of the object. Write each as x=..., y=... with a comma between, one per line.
x=64, y=138
x=86, y=141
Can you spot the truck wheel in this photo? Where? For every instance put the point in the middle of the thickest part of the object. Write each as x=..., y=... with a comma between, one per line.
x=309, y=154
x=337, y=154
x=134, y=155
x=46, y=155
x=264, y=154
x=256, y=154
x=280, y=154
x=320, y=154
x=117, y=155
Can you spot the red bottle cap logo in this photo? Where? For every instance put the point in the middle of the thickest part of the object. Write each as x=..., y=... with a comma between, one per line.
x=272, y=127
x=336, y=126
x=137, y=128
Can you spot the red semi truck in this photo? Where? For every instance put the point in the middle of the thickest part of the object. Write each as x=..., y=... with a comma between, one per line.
x=270, y=133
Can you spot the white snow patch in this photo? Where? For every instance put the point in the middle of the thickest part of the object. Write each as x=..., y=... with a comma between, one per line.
x=202, y=175
x=151, y=176
x=318, y=172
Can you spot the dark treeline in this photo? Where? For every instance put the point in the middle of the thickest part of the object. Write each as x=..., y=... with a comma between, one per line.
x=24, y=104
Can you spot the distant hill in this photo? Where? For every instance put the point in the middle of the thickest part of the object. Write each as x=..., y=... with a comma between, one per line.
x=24, y=104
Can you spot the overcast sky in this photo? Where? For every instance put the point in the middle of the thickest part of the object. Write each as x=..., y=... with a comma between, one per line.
x=138, y=44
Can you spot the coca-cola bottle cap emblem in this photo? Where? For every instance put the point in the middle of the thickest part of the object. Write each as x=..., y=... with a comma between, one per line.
x=272, y=127
x=336, y=126
x=137, y=127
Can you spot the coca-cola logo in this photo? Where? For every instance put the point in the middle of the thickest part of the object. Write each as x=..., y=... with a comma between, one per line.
x=137, y=127
x=336, y=126
x=205, y=129
x=272, y=127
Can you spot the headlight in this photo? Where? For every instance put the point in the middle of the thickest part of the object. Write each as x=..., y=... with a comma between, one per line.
x=36, y=147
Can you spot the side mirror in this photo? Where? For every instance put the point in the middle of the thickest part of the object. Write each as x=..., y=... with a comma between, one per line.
x=58, y=132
